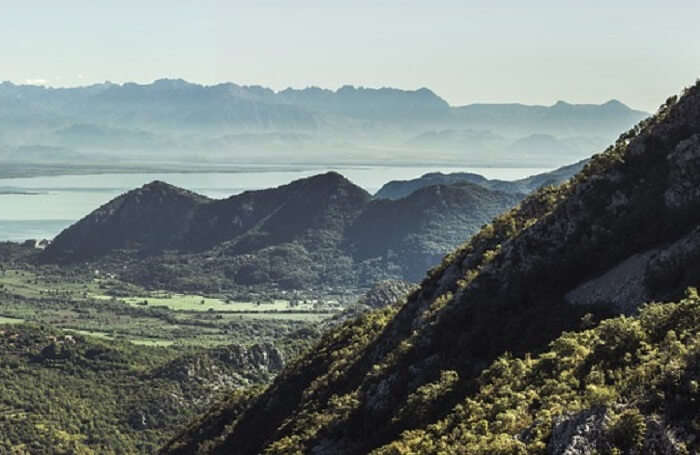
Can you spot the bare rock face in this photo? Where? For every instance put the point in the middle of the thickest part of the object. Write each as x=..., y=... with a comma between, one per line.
x=622, y=287
x=384, y=293
x=677, y=264
x=589, y=432
x=642, y=277
x=387, y=292
x=580, y=434
x=659, y=439
x=684, y=177
x=228, y=366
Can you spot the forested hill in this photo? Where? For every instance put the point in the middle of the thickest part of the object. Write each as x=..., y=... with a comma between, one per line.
x=420, y=228
x=151, y=218
x=417, y=379
x=397, y=189
x=160, y=217
x=322, y=230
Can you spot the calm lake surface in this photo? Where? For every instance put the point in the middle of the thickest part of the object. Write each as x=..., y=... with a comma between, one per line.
x=59, y=201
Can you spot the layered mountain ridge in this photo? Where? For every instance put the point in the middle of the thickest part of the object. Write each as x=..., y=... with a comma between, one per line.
x=171, y=120
x=397, y=189
x=407, y=379
x=321, y=229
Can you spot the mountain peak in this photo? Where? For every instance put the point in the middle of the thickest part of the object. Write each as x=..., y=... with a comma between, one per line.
x=166, y=189
x=149, y=218
x=171, y=83
x=159, y=185
x=331, y=176
x=617, y=105
x=325, y=181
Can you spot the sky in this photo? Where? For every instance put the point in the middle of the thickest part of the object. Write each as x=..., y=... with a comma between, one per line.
x=534, y=52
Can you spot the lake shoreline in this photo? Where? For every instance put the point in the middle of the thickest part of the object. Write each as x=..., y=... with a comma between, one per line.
x=13, y=170
x=41, y=207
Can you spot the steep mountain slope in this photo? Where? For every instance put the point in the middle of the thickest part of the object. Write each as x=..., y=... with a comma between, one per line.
x=397, y=189
x=378, y=382
x=383, y=294
x=318, y=230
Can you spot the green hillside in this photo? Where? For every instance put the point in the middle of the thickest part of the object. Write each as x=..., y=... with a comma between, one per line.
x=62, y=392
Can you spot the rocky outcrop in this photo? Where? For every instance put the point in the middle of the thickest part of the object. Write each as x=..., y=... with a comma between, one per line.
x=229, y=366
x=684, y=165
x=387, y=292
x=593, y=431
x=655, y=274
x=580, y=434
x=622, y=288
x=383, y=294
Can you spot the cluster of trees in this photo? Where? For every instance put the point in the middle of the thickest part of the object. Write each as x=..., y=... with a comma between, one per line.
x=66, y=393
x=639, y=375
x=632, y=370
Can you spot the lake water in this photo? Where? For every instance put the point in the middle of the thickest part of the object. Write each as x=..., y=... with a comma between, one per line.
x=61, y=200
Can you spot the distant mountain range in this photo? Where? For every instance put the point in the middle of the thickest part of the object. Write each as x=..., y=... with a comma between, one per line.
x=397, y=189
x=177, y=120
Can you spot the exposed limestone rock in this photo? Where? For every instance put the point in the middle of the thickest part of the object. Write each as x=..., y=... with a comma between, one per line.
x=622, y=287
x=387, y=292
x=676, y=264
x=619, y=200
x=659, y=439
x=228, y=366
x=636, y=279
x=588, y=433
x=384, y=293
x=684, y=178
x=580, y=434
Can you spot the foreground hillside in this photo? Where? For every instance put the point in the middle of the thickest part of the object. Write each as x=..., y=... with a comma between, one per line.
x=630, y=385
x=622, y=232
x=318, y=231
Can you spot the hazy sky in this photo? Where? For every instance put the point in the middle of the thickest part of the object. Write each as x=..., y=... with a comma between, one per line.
x=534, y=52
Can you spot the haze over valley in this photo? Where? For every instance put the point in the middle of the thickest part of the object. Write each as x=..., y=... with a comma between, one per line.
x=386, y=228
x=172, y=123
